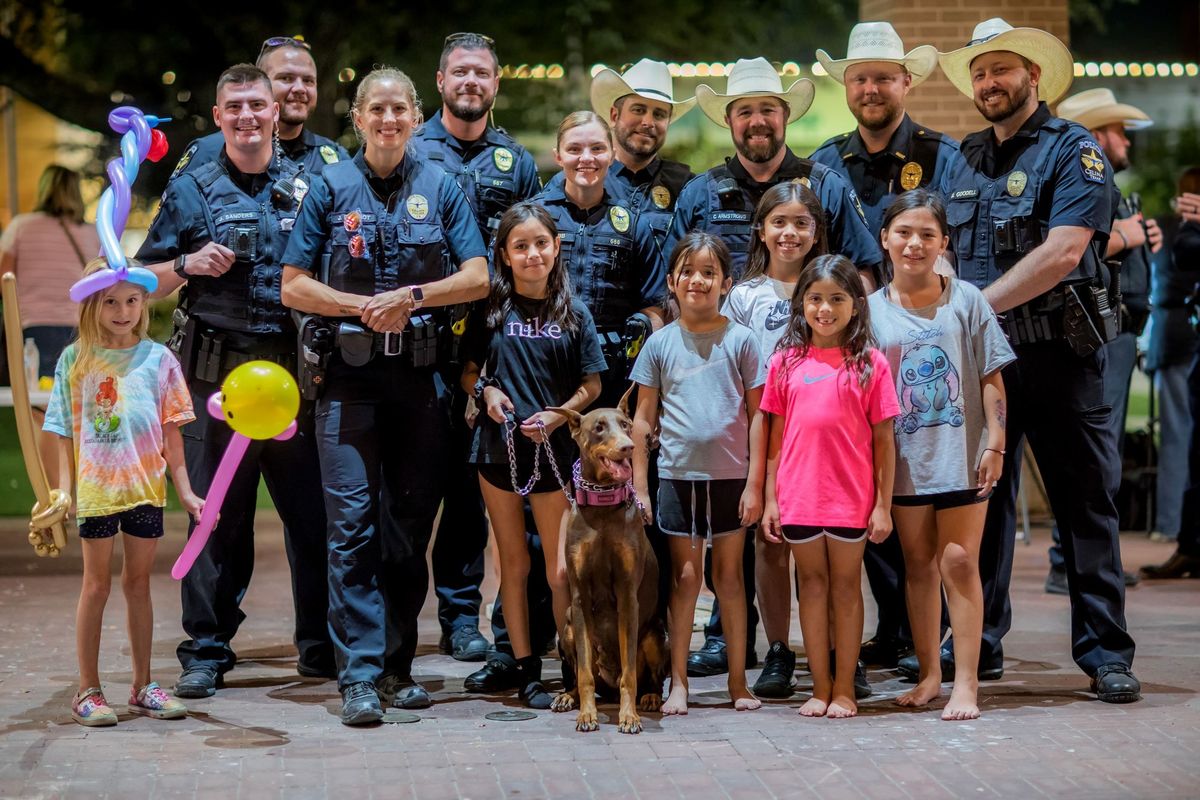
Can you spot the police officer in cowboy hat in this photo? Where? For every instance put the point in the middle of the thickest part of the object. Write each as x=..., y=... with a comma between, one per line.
x=289, y=63
x=1131, y=243
x=885, y=155
x=1030, y=206
x=757, y=110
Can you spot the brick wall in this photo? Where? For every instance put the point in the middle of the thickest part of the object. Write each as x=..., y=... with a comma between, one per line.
x=947, y=25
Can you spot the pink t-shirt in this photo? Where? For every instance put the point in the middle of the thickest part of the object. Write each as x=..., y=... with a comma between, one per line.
x=826, y=465
x=46, y=266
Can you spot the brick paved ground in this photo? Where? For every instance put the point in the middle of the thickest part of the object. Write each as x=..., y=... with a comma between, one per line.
x=272, y=734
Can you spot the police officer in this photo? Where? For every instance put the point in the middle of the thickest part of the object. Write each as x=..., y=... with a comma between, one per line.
x=495, y=172
x=383, y=244
x=885, y=155
x=289, y=63
x=1030, y=204
x=220, y=233
x=757, y=110
x=1130, y=244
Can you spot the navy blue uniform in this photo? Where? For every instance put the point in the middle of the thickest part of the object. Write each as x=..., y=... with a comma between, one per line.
x=722, y=201
x=495, y=173
x=915, y=157
x=309, y=150
x=383, y=428
x=1002, y=201
x=238, y=316
x=1186, y=280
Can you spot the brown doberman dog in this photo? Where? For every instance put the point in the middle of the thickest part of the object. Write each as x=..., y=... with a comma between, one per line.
x=613, y=639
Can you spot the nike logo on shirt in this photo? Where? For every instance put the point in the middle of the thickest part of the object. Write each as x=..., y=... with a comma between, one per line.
x=818, y=378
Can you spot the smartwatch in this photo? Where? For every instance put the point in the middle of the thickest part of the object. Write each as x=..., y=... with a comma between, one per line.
x=180, y=260
x=418, y=297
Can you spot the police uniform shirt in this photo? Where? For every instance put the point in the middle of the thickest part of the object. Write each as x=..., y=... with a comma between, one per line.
x=308, y=149
x=914, y=157
x=494, y=171
x=612, y=259
x=307, y=241
x=845, y=224
x=1071, y=194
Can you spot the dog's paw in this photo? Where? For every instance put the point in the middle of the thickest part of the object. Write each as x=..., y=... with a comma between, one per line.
x=587, y=721
x=650, y=702
x=629, y=723
x=565, y=701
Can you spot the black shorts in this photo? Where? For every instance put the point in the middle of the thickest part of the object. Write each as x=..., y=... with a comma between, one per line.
x=498, y=475
x=144, y=522
x=700, y=507
x=797, y=534
x=941, y=500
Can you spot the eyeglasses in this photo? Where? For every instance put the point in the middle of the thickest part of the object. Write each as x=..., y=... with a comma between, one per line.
x=458, y=37
x=283, y=41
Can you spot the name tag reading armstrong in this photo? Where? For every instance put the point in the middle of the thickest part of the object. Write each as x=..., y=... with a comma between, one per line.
x=736, y=217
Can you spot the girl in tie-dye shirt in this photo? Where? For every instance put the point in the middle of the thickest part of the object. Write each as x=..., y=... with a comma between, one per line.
x=118, y=401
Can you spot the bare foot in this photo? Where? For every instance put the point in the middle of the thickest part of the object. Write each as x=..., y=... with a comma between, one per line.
x=814, y=707
x=744, y=700
x=963, y=705
x=676, y=702
x=841, y=708
x=925, y=691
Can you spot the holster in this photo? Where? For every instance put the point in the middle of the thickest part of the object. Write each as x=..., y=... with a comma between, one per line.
x=184, y=341
x=314, y=344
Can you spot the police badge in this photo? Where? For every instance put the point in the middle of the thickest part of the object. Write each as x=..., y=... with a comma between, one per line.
x=619, y=218
x=503, y=159
x=910, y=175
x=418, y=206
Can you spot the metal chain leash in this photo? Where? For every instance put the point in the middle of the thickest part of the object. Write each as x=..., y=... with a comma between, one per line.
x=510, y=425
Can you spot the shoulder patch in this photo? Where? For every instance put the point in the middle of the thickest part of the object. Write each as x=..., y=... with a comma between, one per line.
x=184, y=160
x=1091, y=162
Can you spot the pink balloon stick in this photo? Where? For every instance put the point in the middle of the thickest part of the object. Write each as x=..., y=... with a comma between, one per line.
x=212, y=504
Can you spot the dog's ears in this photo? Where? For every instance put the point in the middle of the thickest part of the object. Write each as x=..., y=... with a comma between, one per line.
x=573, y=417
x=623, y=406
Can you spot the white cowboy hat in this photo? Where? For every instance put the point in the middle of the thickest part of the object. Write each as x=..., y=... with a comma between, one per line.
x=878, y=41
x=646, y=78
x=1040, y=47
x=1096, y=108
x=755, y=77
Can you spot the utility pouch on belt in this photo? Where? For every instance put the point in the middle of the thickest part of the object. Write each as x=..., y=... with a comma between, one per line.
x=1081, y=332
x=355, y=343
x=424, y=332
x=314, y=343
x=183, y=341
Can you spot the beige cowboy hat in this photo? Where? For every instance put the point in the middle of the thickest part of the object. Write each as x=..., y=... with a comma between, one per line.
x=647, y=78
x=1040, y=47
x=755, y=77
x=1096, y=108
x=878, y=41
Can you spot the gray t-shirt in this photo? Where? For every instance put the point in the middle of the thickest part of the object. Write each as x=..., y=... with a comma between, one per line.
x=764, y=305
x=702, y=379
x=938, y=355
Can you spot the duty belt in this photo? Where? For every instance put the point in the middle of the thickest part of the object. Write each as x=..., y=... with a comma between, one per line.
x=1025, y=325
x=214, y=360
x=419, y=341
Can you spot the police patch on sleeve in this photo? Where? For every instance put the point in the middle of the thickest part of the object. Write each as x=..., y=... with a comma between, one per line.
x=1091, y=162
x=328, y=154
x=184, y=160
x=619, y=218
x=503, y=158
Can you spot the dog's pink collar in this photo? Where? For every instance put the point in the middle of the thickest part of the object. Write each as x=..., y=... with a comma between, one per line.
x=593, y=494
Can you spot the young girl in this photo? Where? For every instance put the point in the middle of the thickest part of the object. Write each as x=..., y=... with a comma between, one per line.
x=946, y=350
x=536, y=346
x=707, y=371
x=788, y=233
x=118, y=401
x=830, y=459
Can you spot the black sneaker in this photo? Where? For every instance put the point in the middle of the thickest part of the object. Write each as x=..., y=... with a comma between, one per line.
x=991, y=667
x=775, y=680
x=499, y=674
x=1114, y=683
x=401, y=691
x=880, y=651
x=1056, y=581
x=464, y=644
x=862, y=687
x=198, y=682
x=360, y=704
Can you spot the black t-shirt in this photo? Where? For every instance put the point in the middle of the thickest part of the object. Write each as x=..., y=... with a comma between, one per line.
x=538, y=364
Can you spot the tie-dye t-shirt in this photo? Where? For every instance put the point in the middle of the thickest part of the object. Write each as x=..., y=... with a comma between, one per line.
x=115, y=415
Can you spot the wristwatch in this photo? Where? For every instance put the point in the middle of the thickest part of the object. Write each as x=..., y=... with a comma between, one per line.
x=418, y=297
x=180, y=260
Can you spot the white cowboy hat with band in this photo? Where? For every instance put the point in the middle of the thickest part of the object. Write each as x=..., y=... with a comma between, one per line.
x=1096, y=108
x=647, y=78
x=1040, y=47
x=878, y=41
x=755, y=77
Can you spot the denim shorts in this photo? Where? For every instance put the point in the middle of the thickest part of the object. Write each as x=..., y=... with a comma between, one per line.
x=144, y=522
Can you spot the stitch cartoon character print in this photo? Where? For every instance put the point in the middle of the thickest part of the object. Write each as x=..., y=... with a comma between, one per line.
x=930, y=389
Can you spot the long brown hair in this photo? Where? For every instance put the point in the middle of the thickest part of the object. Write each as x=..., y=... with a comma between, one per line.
x=58, y=194
x=779, y=194
x=857, y=339
x=558, y=289
x=90, y=333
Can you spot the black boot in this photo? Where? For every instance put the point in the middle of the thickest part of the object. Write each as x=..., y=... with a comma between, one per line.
x=532, y=693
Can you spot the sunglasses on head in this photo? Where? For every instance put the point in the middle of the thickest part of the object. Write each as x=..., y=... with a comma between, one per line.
x=283, y=41
x=458, y=37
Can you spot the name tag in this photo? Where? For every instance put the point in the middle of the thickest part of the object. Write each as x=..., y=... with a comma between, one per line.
x=965, y=194
x=243, y=216
x=730, y=217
